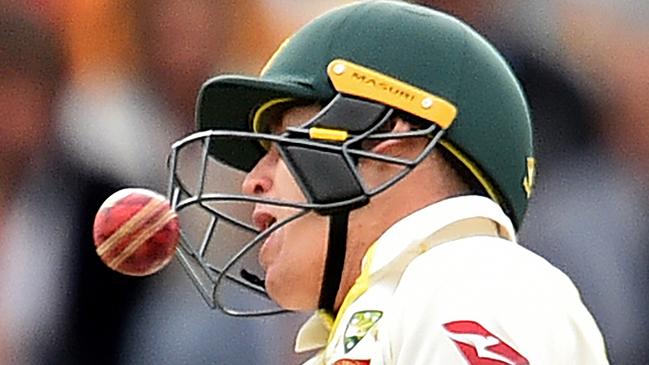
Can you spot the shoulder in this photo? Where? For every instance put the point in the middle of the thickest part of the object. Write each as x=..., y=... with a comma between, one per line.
x=504, y=289
x=489, y=267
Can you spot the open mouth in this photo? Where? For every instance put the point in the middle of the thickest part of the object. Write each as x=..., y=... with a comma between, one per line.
x=271, y=223
x=263, y=220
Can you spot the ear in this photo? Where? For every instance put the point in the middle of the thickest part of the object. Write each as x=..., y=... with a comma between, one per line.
x=396, y=146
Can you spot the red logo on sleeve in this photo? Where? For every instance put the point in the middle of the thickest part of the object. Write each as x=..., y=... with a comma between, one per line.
x=481, y=347
x=352, y=362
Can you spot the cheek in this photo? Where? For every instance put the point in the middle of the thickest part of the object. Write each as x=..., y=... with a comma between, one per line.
x=294, y=279
x=285, y=185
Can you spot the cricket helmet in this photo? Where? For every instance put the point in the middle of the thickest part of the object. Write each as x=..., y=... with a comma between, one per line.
x=364, y=62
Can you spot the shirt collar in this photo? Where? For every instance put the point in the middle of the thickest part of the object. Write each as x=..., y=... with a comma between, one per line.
x=399, y=244
x=419, y=226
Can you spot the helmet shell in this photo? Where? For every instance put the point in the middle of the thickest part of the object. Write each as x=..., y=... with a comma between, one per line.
x=433, y=51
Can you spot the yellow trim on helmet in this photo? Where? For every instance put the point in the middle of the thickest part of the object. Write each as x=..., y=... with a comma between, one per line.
x=328, y=134
x=256, y=119
x=530, y=176
x=350, y=78
x=272, y=58
x=473, y=168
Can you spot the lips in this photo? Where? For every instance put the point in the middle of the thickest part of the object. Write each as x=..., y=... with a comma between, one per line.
x=263, y=219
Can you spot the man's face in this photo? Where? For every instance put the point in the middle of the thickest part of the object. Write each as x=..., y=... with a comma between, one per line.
x=292, y=256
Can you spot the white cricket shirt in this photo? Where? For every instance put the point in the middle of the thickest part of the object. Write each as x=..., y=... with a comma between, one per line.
x=449, y=285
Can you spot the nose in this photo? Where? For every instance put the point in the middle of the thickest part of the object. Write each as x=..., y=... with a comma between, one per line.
x=259, y=180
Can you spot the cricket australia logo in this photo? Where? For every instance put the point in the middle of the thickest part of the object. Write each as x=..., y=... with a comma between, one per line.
x=481, y=347
x=358, y=326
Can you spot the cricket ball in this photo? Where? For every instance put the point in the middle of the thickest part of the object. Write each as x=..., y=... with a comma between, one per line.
x=136, y=232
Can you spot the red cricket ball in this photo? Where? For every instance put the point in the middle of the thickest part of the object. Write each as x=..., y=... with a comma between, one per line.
x=136, y=232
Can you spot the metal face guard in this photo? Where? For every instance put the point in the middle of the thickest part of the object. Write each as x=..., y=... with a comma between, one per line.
x=324, y=161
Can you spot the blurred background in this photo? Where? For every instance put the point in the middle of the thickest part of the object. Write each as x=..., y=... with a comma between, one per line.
x=93, y=93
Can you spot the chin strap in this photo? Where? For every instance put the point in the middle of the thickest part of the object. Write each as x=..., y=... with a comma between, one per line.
x=333, y=270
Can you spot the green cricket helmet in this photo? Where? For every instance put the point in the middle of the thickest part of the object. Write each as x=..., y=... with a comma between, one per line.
x=365, y=62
